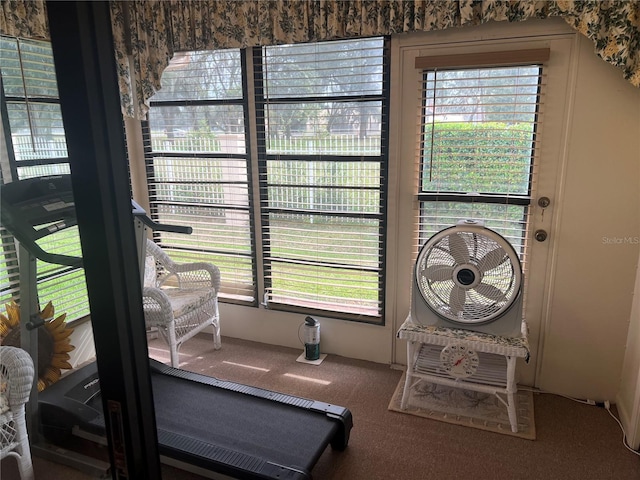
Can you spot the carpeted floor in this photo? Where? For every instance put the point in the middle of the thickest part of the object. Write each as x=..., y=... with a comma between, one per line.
x=573, y=441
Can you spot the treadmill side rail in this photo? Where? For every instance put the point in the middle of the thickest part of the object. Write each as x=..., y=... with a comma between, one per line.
x=222, y=460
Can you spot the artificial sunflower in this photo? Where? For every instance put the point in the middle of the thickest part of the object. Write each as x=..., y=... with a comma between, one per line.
x=53, y=341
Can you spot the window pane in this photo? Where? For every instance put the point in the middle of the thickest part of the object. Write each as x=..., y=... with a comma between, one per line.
x=37, y=131
x=235, y=271
x=507, y=220
x=325, y=262
x=352, y=242
x=349, y=67
x=325, y=185
x=38, y=140
x=197, y=169
x=322, y=180
x=30, y=62
x=203, y=75
x=9, y=272
x=479, y=130
x=220, y=235
x=43, y=170
x=205, y=128
x=35, y=118
x=67, y=292
x=65, y=287
x=11, y=71
x=330, y=128
x=200, y=180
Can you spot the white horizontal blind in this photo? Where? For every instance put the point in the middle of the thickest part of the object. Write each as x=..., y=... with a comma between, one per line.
x=478, y=140
x=197, y=166
x=9, y=273
x=37, y=145
x=322, y=143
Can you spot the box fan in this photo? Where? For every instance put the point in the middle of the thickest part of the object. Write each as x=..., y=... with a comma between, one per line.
x=470, y=277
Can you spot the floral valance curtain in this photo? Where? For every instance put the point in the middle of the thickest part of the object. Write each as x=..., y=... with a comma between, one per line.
x=151, y=31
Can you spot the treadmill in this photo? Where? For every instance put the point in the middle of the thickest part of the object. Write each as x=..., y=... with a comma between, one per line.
x=215, y=425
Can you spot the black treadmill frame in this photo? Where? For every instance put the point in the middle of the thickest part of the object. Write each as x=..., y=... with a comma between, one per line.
x=71, y=403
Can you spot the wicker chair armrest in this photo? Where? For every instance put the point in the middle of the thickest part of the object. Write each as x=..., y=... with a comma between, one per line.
x=193, y=275
x=16, y=369
x=157, y=307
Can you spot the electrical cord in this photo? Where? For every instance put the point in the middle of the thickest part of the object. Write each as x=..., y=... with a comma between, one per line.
x=536, y=390
x=606, y=405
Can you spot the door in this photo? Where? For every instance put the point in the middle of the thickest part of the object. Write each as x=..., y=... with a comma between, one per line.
x=479, y=135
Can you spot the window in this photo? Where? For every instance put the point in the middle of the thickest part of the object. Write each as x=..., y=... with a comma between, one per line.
x=36, y=146
x=322, y=173
x=479, y=136
x=198, y=168
x=31, y=108
x=311, y=237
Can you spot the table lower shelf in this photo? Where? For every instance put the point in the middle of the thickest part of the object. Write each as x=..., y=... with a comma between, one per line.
x=495, y=375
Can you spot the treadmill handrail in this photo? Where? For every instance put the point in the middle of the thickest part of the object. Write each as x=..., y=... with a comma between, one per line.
x=55, y=258
x=141, y=214
x=162, y=227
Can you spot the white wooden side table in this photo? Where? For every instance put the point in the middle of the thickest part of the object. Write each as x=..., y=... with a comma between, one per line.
x=496, y=366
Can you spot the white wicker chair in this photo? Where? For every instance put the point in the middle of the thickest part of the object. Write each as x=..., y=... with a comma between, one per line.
x=180, y=300
x=16, y=380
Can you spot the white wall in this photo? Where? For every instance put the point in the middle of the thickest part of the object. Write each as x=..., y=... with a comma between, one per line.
x=596, y=247
x=348, y=339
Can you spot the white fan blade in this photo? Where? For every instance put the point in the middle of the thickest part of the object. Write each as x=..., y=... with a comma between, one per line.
x=491, y=260
x=438, y=273
x=491, y=292
x=458, y=249
x=457, y=299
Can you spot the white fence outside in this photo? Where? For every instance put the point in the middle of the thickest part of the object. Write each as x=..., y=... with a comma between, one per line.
x=28, y=148
x=234, y=143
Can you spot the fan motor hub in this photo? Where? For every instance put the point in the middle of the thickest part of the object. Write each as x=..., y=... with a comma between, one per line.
x=467, y=276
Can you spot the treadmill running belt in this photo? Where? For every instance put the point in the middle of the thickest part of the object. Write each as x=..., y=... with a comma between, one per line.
x=241, y=424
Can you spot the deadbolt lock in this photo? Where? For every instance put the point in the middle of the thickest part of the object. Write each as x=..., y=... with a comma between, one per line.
x=540, y=235
x=544, y=202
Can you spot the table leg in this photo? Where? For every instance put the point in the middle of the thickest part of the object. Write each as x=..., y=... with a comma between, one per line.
x=511, y=391
x=411, y=346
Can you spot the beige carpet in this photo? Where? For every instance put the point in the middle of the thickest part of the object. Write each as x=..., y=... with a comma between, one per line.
x=466, y=407
x=574, y=441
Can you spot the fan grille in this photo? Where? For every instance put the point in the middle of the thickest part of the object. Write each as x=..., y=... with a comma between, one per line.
x=469, y=276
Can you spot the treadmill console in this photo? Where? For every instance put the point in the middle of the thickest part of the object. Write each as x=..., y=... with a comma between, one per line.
x=34, y=208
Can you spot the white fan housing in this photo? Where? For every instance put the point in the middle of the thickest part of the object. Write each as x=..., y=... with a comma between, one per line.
x=468, y=276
